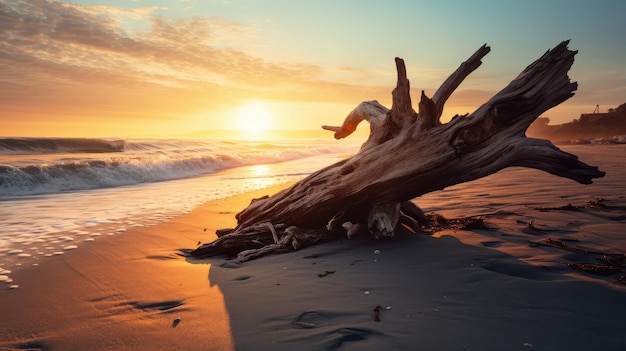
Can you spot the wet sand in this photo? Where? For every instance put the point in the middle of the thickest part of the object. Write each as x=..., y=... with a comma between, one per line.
x=130, y=291
x=482, y=289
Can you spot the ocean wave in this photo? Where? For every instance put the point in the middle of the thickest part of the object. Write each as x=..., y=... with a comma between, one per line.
x=59, y=145
x=105, y=173
x=159, y=161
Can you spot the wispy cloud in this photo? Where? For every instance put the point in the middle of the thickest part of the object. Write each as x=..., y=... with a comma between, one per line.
x=55, y=48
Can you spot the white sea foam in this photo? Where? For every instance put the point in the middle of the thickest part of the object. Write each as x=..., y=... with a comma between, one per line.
x=55, y=221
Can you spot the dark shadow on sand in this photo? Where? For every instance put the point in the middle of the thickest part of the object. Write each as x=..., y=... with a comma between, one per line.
x=435, y=293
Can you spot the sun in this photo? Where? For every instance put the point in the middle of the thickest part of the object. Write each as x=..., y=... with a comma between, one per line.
x=253, y=118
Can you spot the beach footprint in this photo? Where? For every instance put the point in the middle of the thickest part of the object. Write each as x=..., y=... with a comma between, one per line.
x=494, y=243
x=333, y=338
x=340, y=336
x=161, y=306
x=308, y=320
x=31, y=346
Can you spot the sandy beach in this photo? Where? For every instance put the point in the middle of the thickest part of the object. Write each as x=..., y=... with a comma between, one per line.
x=455, y=290
x=123, y=293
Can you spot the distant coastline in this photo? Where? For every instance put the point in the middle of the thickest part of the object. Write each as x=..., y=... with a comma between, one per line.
x=590, y=128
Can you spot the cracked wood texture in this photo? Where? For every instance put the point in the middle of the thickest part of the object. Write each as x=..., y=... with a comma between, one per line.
x=409, y=154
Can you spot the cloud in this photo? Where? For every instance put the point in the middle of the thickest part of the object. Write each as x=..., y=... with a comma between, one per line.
x=56, y=49
x=83, y=64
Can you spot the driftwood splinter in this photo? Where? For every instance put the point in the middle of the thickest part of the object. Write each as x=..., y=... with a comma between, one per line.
x=409, y=154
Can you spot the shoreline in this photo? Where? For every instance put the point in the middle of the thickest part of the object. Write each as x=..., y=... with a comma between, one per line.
x=447, y=291
x=124, y=292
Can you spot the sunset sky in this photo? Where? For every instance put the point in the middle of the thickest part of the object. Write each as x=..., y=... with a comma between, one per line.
x=123, y=68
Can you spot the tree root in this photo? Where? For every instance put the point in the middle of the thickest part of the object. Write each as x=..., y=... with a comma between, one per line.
x=259, y=240
x=265, y=238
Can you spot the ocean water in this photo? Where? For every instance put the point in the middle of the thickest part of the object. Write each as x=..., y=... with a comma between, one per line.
x=55, y=194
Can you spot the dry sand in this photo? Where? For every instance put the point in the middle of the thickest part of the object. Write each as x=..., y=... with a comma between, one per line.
x=452, y=291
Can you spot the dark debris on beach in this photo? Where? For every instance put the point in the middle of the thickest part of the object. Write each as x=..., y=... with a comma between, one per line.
x=439, y=223
x=607, y=264
x=595, y=262
x=596, y=203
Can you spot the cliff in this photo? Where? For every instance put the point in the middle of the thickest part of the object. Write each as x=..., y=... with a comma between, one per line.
x=607, y=125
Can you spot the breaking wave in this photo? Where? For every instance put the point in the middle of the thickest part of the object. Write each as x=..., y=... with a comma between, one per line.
x=59, y=145
x=135, y=161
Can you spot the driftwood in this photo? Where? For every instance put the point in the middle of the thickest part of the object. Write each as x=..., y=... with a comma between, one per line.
x=407, y=155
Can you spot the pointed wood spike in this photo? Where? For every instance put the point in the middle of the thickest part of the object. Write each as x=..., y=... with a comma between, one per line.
x=455, y=79
x=427, y=117
x=401, y=114
x=401, y=94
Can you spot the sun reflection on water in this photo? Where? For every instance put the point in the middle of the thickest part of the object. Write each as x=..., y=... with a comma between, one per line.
x=260, y=176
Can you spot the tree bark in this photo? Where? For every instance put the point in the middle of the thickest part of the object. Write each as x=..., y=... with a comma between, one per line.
x=407, y=155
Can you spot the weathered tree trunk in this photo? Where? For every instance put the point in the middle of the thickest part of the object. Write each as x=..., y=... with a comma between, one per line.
x=407, y=155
